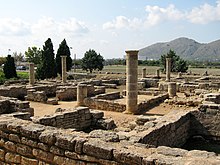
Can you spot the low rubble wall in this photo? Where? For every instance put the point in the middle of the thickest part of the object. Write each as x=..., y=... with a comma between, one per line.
x=170, y=130
x=23, y=142
x=109, y=96
x=80, y=118
x=10, y=105
x=143, y=106
x=105, y=105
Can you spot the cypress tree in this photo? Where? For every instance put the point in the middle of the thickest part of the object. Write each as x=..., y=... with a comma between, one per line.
x=47, y=69
x=63, y=50
x=9, y=68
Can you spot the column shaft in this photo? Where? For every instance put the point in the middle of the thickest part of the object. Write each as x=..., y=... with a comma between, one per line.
x=63, y=62
x=81, y=94
x=168, y=69
x=31, y=74
x=131, y=81
x=143, y=72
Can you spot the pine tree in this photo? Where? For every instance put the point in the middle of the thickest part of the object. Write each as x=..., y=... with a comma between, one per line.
x=63, y=51
x=92, y=61
x=47, y=69
x=9, y=67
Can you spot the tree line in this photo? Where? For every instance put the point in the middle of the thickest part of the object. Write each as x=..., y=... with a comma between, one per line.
x=49, y=65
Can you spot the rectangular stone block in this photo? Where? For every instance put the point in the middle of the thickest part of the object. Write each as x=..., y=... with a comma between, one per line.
x=28, y=161
x=24, y=150
x=65, y=141
x=2, y=155
x=98, y=149
x=127, y=157
x=43, y=146
x=32, y=130
x=29, y=142
x=43, y=155
x=4, y=135
x=12, y=158
x=79, y=144
x=57, y=151
x=48, y=136
x=10, y=146
x=14, y=138
x=63, y=160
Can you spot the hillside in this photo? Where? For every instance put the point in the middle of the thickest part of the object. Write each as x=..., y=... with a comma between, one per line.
x=186, y=48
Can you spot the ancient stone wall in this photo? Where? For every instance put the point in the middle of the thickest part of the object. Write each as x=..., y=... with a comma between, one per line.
x=37, y=96
x=149, y=82
x=23, y=142
x=172, y=130
x=49, y=89
x=10, y=105
x=13, y=91
x=109, y=96
x=80, y=118
x=154, y=101
x=106, y=105
x=205, y=122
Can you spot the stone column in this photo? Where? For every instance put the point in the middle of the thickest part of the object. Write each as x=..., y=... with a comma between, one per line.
x=63, y=62
x=158, y=73
x=168, y=69
x=172, y=89
x=81, y=94
x=143, y=72
x=179, y=76
x=31, y=74
x=131, y=81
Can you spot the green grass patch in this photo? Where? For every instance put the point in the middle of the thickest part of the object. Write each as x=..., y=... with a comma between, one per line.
x=23, y=75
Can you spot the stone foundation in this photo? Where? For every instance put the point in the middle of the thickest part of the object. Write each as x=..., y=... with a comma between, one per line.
x=23, y=142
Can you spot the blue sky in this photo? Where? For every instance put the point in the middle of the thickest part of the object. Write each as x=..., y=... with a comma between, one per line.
x=108, y=26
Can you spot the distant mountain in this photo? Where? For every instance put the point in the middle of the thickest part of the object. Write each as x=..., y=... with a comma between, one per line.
x=184, y=47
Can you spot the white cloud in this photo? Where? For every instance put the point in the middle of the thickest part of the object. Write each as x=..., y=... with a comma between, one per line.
x=47, y=26
x=157, y=14
x=204, y=14
x=121, y=22
x=73, y=26
x=13, y=27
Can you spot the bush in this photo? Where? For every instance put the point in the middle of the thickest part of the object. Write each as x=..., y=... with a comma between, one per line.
x=9, y=68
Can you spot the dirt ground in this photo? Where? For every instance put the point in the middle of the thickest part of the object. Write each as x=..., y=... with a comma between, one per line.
x=121, y=119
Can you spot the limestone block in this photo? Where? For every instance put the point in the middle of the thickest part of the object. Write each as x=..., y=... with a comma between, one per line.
x=32, y=130
x=24, y=150
x=48, y=137
x=64, y=160
x=79, y=144
x=57, y=151
x=28, y=161
x=42, y=155
x=97, y=114
x=12, y=158
x=98, y=149
x=43, y=146
x=2, y=155
x=66, y=141
x=10, y=146
x=127, y=156
x=106, y=136
x=29, y=142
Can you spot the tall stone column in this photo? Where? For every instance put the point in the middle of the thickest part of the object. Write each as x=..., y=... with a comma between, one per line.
x=158, y=73
x=131, y=81
x=168, y=69
x=172, y=89
x=143, y=72
x=31, y=74
x=81, y=94
x=63, y=62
